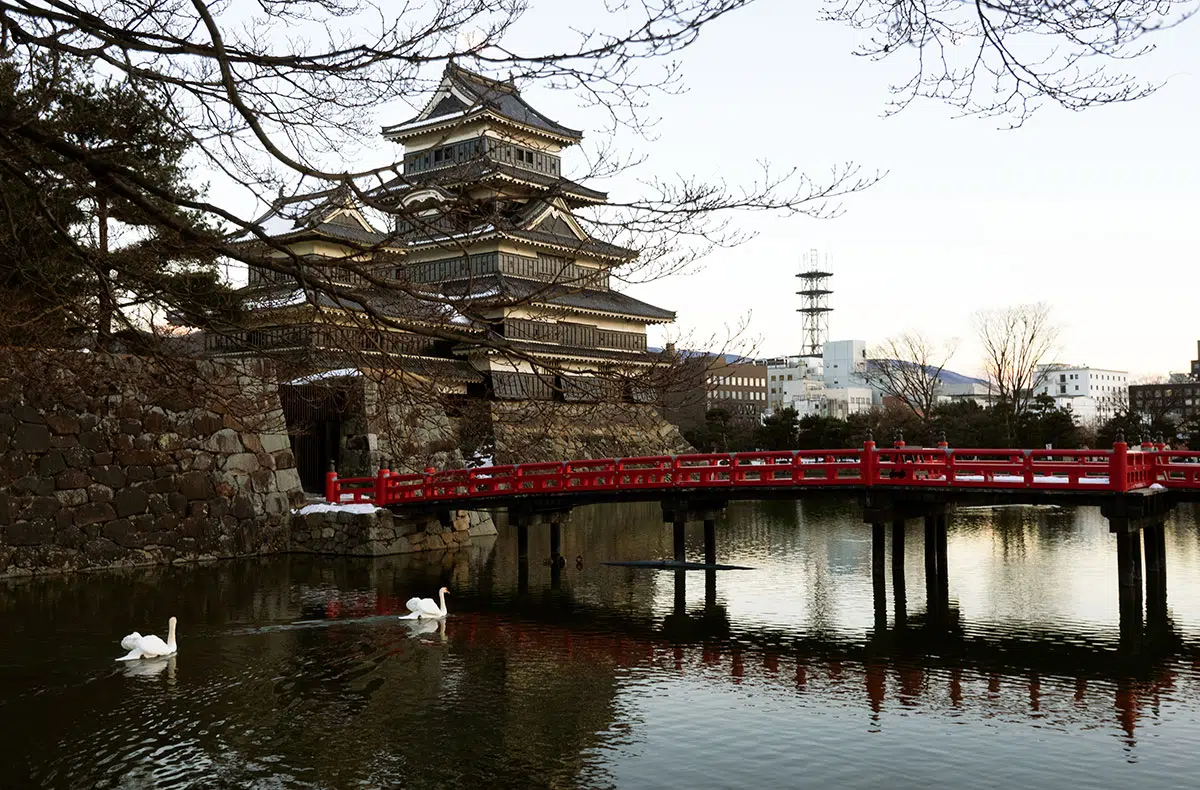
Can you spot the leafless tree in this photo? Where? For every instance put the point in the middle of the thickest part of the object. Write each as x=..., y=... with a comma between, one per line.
x=276, y=97
x=1008, y=57
x=1015, y=340
x=909, y=368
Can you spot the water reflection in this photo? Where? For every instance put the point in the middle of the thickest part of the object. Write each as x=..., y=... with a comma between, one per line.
x=296, y=671
x=150, y=668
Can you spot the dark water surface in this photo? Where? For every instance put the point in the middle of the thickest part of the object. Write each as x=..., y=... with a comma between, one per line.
x=293, y=672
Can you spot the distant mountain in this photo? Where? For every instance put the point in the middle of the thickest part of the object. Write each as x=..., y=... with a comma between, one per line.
x=947, y=376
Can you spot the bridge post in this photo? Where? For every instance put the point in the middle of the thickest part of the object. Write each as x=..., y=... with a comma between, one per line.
x=710, y=541
x=679, y=538
x=1129, y=582
x=522, y=541
x=933, y=596
x=555, y=541
x=878, y=585
x=943, y=567
x=901, y=598
x=1154, y=537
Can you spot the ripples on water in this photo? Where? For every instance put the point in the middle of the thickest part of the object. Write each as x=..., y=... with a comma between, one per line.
x=294, y=672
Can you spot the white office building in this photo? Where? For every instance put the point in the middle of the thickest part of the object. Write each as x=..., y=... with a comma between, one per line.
x=833, y=385
x=1091, y=393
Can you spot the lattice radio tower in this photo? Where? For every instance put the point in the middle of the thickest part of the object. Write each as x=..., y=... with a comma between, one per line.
x=814, y=291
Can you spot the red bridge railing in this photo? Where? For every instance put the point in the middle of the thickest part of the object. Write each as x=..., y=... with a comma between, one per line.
x=1118, y=470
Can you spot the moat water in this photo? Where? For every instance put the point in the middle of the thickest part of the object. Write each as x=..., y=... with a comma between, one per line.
x=294, y=672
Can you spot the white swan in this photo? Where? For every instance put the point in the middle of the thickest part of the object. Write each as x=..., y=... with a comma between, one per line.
x=425, y=608
x=149, y=646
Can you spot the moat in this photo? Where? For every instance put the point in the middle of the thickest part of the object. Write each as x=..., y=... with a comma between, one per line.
x=294, y=672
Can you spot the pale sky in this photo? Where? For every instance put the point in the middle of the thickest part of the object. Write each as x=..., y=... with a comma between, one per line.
x=1091, y=212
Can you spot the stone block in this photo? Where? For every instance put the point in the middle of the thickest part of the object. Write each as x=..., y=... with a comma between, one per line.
x=176, y=502
x=262, y=481
x=128, y=501
x=51, y=463
x=31, y=438
x=287, y=480
x=71, y=497
x=195, y=485
x=137, y=473
x=72, y=478
x=62, y=423
x=40, y=507
x=224, y=441
x=25, y=413
x=285, y=460
x=163, y=485
x=92, y=440
x=102, y=459
x=121, y=532
x=111, y=476
x=274, y=442
x=143, y=457
x=70, y=537
x=242, y=507
x=99, y=493
x=94, y=513
x=203, y=462
x=29, y=533
x=240, y=462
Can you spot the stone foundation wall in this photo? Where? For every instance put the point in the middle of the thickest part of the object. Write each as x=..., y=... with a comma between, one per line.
x=387, y=421
x=112, y=461
x=381, y=533
x=552, y=431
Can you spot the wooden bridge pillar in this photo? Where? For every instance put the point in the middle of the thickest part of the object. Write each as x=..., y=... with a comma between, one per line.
x=710, y=541
x=937, y=577
x=1129, y=582
x=680, y=539
x=555, y=542
x=942, y=563
x=522, y=542
x=898, y=591
x=1154, y=537
x=878, y=585
x=932, y=594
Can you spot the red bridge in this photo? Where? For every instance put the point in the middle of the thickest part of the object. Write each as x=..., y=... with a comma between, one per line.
x=1135, y=488
x=1145, y=468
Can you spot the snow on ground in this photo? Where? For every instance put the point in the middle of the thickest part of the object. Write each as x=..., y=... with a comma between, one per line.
x=327, y=507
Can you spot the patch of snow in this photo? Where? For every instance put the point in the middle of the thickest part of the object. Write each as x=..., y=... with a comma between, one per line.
x=436, y=119
x=329, y=507
x=1157, y=487
x=298, y=296
x=326, y=374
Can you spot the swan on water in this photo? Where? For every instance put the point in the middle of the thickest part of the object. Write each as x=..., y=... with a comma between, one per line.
x=149, y=646
x=425, y=608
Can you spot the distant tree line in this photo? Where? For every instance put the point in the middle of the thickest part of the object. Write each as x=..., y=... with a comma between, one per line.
x=960, y=424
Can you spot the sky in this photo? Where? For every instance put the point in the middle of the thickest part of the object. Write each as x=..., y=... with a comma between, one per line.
x=1091, y=212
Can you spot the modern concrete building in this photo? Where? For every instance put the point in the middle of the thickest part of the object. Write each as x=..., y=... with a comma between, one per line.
x=1177, y=399
x=1092, y=394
